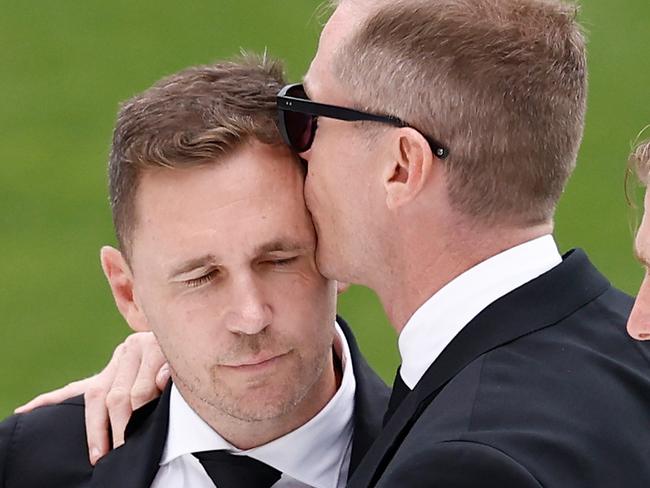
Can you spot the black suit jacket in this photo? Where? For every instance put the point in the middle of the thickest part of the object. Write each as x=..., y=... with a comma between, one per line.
x=544, y=388
x=47, y=447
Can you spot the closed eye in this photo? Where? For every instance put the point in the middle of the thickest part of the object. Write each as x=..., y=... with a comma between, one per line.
x=201, y=280
x=283, y=261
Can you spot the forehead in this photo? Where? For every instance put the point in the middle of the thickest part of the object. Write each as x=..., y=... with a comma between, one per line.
x=252, y=196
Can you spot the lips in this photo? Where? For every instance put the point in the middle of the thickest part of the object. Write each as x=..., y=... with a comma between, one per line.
x=256, y=362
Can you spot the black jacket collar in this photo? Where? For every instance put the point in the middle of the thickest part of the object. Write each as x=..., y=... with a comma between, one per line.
x=370, y=401
x=531, y=307
x=135, y=464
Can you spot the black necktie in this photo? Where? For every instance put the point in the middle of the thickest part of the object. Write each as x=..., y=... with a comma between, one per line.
x=400, y=390
x=229, y=471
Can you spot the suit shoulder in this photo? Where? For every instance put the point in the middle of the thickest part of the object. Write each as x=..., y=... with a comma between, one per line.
x=62, y=416
x=54, y=416
x=53, y=438
x=572, y=394
x=457, y=464
x=7, y=432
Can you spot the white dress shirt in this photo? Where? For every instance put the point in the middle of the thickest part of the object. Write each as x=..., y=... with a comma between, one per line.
x=317, y=454
x=438, y=320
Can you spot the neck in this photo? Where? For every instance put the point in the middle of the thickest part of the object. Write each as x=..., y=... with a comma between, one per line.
x=245, y=434
x=421, y=272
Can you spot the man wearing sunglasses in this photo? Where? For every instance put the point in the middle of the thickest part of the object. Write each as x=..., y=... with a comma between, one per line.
x=438, y=137
x=462, y=122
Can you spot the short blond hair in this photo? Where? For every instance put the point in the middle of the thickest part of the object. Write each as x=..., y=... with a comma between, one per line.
x=501, y=83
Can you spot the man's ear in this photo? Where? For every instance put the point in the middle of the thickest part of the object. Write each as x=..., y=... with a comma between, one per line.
x=410, y=167
x=120, y=279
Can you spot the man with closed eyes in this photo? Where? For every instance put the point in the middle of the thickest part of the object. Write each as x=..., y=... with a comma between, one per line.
x=216, y=258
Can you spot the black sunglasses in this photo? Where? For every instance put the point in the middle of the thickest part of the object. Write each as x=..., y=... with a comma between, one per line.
x=299, y=115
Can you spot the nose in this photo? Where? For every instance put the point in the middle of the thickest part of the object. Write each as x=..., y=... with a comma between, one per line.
x=638, y=325
x=250, y=311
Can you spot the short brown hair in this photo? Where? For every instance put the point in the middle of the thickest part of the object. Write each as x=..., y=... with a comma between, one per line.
x=190, y=118
x=501, y=83
x=640, y=161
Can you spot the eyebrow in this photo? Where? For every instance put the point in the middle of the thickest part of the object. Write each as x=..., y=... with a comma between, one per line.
x=278, y=245
x=282, y=245
x=192, y=264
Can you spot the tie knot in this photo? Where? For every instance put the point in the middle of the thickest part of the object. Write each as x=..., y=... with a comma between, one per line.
x=228, y=470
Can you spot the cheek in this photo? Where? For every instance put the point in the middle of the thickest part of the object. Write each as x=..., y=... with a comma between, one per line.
x=314, y=185
x=189, y=310
x=304, y=298
x=321, y=199
x=642, y=303
x=308, y=189
x=639, y=322
x=187, y=325
x=321, y=172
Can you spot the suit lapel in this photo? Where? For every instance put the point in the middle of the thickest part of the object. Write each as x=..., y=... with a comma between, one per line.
x=135, y=464
x=534, y=306
x=370, y=400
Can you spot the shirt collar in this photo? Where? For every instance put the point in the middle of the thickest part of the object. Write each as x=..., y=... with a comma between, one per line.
x=313, y=454
x=433, y=326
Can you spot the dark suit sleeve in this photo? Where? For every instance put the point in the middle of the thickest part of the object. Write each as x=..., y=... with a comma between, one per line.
x=7, y=429
x=46, y=448
x=458, y=464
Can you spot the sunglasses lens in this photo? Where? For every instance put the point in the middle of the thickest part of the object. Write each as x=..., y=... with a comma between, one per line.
x=300, y=130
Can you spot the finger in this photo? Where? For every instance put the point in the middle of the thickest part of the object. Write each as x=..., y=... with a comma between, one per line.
x=118, y=400
x=97, y=421
x=162, y=378
x=96, y=418
x=56, y=396
x=145, y=387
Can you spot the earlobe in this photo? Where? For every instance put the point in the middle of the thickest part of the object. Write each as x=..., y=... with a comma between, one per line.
x=411, y=164
x=341, y=287
x=120, y=279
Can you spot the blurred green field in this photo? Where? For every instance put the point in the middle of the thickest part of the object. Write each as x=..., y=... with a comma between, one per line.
x=64, y=66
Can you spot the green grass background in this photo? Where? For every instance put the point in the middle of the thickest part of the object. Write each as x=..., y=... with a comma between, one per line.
x=65, y=65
